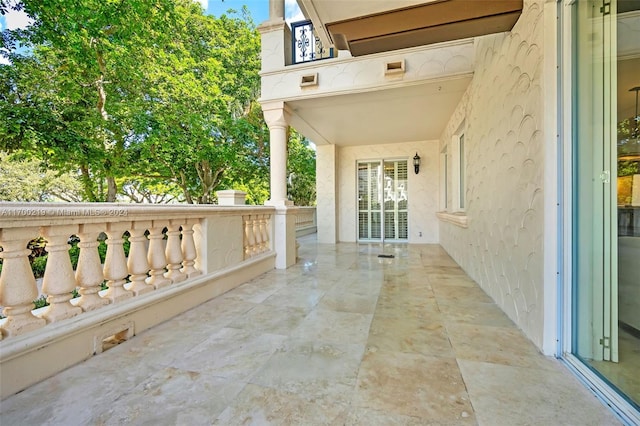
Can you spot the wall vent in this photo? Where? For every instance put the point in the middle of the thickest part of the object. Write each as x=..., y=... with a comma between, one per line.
x=309, y=80
x=394, y=67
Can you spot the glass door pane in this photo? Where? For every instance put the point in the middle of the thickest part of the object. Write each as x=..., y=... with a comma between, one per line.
x=369, y=201
x=606, y=241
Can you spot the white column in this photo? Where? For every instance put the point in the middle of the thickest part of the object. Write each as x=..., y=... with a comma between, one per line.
x=276, y=10
x=275, y=116
x=283, y=237
x=326, y=190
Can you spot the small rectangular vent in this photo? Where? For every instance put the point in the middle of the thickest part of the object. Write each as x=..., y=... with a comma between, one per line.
x=394, y=67
x=113, y=336
x=309, y=80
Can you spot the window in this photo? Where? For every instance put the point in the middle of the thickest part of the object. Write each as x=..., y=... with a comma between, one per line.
x=458, y=178
x=444, y=180
x=453, y=185
x=462, y=188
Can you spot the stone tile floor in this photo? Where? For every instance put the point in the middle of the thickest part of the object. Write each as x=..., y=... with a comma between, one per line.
x=341, y=338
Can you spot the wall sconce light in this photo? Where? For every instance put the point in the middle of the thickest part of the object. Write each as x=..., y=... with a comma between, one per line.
x=416, y=163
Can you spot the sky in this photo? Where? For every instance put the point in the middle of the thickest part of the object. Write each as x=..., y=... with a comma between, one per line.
x=259, y=8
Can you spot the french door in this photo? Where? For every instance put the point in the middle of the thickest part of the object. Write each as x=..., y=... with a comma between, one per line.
x=383, y=200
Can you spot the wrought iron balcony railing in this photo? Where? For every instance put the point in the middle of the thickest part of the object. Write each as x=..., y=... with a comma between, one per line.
x=306, y=46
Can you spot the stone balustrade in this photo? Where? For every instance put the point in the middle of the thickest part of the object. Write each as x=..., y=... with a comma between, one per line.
x=178, y=257
x=162, y=253
x=306, y=221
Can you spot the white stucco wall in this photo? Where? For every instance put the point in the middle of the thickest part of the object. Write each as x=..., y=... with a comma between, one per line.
x=502, y=248
x=423, y=187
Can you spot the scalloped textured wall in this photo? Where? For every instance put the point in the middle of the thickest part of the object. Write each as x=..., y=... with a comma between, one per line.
x=502, y=249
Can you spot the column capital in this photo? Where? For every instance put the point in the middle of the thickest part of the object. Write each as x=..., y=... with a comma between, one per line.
x=276, y=114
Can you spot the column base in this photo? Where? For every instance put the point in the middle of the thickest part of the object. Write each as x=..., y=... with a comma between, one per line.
x=284, y=236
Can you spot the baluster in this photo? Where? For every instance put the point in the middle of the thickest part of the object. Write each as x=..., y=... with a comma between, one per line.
x=89, y=276
x=59, y=281
x=260, y=239
x=248, y=228
x=17, y=284
x=189, y=249
x=264, y=227
x=137, y=262
x=156, y=257
x=115, y=263
x=256, y=235
x=174, y=253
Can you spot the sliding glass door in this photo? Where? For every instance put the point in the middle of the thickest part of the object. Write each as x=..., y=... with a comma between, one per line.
x=606, y=204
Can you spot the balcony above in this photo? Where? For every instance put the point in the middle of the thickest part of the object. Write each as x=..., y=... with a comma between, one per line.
x=405, y=95
x=371, y=27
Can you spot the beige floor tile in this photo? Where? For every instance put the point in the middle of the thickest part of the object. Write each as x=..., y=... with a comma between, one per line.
x=306, y=298
x=215, y=313
x=476, y=313
x=325, y=325
x=266, y=319
x=349, y=302
x=459, y=294
x=363, y=416
x=445, y=270
x=448, y=279
x=413, y=385
x=511, y=396
x=78, y=394
x=498, y=345
x=231, y=353
x=161, y=400
x=410, y=335
x=257, y=405
x=313, y=369
x=254, y=291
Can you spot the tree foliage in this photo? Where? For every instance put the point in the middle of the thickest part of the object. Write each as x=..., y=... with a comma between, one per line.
x=301, y=166
x=43, y=184
x=142, y=100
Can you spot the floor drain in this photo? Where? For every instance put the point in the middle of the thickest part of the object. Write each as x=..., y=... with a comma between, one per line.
x=386, y=256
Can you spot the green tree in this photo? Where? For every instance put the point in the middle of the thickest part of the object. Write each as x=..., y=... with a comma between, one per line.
x=199, y=123
x=142, y=100
x=41, y=184
x=72, y=97
x=301, y=167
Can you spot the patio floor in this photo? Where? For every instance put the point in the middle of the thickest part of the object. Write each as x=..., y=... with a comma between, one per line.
x=342, y=338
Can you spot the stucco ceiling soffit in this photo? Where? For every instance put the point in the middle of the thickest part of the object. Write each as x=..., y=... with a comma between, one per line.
x=399, y=114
